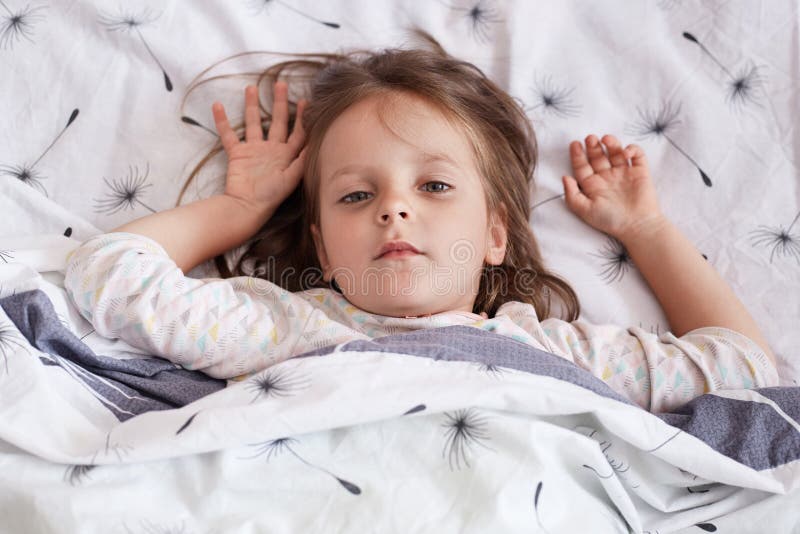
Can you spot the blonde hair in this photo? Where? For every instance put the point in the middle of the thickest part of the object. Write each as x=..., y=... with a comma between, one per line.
x=498, y=130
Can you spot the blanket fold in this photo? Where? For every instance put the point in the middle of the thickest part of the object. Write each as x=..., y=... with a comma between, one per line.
x=127, y=386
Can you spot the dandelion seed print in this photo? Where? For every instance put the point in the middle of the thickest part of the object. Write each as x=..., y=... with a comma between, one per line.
x=261, y=5
x=28, y=173
x=464, y=429
x=490, y=369
x=188, y=422
x=617, y=465
x=25, y=174
x=273, y=448
x=687, y=474
x=119, y=450
x=781, y=241
x=10, y=341
x=479, y=15
x=550, y=99
x=6, y=255
x=654, y=449
x=130, y=22
x=596, y=472
x=124, y=193
x=77, y=474
x=275, y=383
x=416, y=409
x=741, y=85
x=87, y=334
x=536, y=496
x=616, y=262
x=192, y=122
x=276, y=447
x=658, y=124
x=17, y=25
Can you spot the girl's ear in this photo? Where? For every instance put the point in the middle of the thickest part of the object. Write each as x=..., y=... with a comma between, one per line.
x=322, y=255
x=498, y=236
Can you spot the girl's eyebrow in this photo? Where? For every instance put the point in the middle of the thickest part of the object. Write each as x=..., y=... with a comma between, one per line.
x=346, y=170
x=439, y=157
x=426, y=159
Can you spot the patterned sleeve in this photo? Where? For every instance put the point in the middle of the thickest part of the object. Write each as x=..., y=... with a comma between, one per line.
x=128, y=287
x=662, y=372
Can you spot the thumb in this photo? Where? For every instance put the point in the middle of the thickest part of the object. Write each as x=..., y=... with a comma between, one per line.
x=576, y=200
x=296, y=168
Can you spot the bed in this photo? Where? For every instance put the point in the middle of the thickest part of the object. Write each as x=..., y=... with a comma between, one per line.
x=97, y=132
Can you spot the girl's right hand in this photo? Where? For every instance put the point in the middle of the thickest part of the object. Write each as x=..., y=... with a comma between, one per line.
x=612, y=190
x=263, y=172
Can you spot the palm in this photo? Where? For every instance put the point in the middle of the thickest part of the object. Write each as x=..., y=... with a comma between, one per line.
x=249, y=162
x=613, y=195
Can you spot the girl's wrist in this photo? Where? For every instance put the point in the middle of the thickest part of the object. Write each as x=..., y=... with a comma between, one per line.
x=257, y=212
x=643, y=230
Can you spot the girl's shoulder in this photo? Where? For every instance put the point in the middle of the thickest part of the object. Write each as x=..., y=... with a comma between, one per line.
x=323, y=297
x=516, y=308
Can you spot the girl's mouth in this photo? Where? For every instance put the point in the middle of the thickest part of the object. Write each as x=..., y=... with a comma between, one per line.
x=397, y=254
x=396, y=247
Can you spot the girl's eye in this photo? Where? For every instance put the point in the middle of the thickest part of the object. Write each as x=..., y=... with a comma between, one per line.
x=437, y=189
x=349, y=199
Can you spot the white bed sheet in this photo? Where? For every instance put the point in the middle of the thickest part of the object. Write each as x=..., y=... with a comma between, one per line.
x=579, y=67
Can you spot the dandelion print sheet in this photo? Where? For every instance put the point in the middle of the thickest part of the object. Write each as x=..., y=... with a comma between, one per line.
x=453, y=429
x=96, y=132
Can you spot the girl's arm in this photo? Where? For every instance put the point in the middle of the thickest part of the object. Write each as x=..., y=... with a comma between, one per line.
x=613, y=192
x=199, y=231
x=127, y=284
x=261, y=174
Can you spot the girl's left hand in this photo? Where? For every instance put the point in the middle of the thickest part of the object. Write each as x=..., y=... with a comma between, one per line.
x=263, y=172
x=612, y=190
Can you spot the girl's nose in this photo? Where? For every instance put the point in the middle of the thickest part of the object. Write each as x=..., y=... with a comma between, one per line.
x=393, y=208
x=399, y=214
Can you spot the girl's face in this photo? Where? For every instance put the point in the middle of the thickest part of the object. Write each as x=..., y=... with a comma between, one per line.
x=415, y=181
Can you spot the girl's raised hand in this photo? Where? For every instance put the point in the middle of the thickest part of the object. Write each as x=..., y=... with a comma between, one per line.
x=611, y=189
x=263, y=172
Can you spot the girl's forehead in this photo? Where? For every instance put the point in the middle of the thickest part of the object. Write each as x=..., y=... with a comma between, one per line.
x=415, y=124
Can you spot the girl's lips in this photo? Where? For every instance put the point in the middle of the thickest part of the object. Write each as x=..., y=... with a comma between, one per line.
x=397, y=254
x=396, y=246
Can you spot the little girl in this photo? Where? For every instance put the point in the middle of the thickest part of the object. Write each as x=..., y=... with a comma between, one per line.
x=404, y=185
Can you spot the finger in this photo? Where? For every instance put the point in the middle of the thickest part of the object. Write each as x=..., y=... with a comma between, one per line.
x=296, y=168
x=252, y=115
x=576, y=200
x=637, y=156
x=594, y=151
x=580, y=164
x=298, y=137
x=280, y=113
x=615, y=152
x=227, y=136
